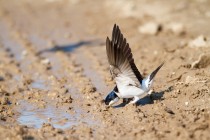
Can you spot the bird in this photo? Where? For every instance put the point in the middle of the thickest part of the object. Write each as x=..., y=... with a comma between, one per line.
x=129, y=81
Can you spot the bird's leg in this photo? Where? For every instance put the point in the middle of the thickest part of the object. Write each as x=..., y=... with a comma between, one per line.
x=126, y=100
x=150, y=92
x=136, y=98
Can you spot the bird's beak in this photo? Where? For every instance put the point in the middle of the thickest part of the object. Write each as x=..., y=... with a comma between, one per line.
x=152, y=75
x=111, y=98
x=114, y=101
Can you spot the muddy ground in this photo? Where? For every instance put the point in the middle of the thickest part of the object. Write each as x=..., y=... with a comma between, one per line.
x=54, y=72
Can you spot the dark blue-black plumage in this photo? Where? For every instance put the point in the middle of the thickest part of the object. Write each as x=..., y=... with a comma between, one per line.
x=111, y=96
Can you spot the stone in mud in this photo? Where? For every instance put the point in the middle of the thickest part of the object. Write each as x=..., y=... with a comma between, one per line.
x=202, y=62
x=198, y=42
x=176, y=28
x=186, y=103
x=151, y=28
x=24, y=53
x=45, y=61
x=168, y=110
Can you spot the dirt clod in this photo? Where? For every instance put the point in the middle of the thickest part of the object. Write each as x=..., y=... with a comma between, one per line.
x=202, y=62
x=198, y=42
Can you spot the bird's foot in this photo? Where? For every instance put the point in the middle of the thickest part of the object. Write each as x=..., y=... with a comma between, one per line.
x=126, y=100
x=136, y=98
x=150, y=94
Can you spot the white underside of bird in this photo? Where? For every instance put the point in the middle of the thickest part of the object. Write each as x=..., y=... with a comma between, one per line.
x=127, y=89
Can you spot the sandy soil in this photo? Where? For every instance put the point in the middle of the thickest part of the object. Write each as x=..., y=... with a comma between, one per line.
x=54, y=72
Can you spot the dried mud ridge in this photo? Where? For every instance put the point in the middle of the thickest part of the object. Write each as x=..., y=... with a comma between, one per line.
x=54, y=72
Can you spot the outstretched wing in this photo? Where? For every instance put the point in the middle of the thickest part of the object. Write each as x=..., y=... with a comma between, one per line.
x=120, y=57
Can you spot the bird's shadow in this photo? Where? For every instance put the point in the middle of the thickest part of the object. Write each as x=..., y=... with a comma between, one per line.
x=149, y=99
x=72, y=47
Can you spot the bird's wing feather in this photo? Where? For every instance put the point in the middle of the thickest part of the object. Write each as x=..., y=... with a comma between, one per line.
x=120, y=57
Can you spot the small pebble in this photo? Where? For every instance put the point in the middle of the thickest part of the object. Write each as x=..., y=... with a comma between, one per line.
x=24, y=53
x=198, y=42
x=168, y=110
x=186, y=103
x=45, y=61
x=175, y=27
x=150, y=28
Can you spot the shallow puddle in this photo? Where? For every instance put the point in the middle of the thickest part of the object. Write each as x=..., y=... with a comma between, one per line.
x=32, y=116
x=38, y=85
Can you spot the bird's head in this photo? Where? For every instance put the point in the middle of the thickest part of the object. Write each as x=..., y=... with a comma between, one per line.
x=148, y=81
x=111, y=98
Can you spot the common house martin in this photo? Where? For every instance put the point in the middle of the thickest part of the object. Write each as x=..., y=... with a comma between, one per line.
x=129, y=81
